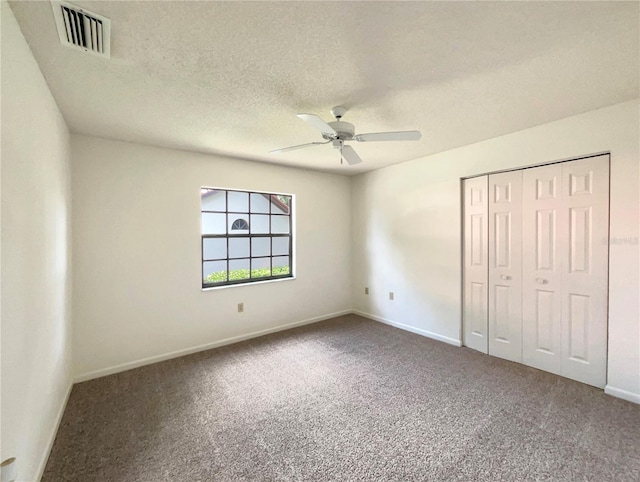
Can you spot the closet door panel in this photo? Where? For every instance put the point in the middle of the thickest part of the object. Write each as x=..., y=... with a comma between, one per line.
x=475, y=263
x=585, y=283
x=505, y=265
x=544, y=229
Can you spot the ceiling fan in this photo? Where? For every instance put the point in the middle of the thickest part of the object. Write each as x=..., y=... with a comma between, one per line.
x=338, y=132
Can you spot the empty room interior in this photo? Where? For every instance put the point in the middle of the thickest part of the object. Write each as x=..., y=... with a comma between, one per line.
x=320, y=241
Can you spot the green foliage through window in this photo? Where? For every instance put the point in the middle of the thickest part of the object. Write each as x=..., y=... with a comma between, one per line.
x=237, y=274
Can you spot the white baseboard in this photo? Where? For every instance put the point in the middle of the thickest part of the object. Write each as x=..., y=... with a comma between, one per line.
x=402, y=326
x=207, y=346
x=53, y=433
x=624, y=394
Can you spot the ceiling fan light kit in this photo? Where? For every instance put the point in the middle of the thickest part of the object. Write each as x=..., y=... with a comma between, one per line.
x=339, y=131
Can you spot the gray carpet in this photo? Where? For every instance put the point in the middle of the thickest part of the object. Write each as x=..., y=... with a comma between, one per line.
x=345, y=399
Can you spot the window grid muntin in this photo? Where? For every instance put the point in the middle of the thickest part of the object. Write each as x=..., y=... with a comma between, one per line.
x=250, y=235
x=247, y=236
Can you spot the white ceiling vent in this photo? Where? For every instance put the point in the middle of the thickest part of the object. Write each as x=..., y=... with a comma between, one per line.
x=82, y=30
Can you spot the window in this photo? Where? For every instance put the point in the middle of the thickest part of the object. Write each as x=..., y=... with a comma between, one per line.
x=246, y=236
x=239, y=224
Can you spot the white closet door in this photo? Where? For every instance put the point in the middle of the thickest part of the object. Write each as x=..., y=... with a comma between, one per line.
x=505, y=265
x=565, y=227
x=475, y=263
x=544, y=228
x=585, y=185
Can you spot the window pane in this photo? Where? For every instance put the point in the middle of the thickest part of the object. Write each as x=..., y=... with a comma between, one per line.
x=214, y=223
x=239, y=201
x=259, y=224
x=214, y=248
x=281, y=265
x=280, y=204
x=214, y=272
x=259, y=203
x=239, y=248
x=238, y=269
x=261, y=247
x=260, y=267
x=280, y=224
x=280, y=245
x=213, y=200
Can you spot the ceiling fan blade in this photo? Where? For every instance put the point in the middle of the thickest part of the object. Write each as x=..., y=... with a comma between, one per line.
x=389, y=136
x=349, y=155
x=293, y=148
x=318, y=123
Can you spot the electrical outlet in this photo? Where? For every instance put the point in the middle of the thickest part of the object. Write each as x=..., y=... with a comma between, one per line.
x=366, y=290
x=391, y=295
x=240, y=307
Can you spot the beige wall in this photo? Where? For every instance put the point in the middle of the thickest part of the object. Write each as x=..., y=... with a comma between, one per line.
x=136, y=263
x=406, y=234
x=36, y=322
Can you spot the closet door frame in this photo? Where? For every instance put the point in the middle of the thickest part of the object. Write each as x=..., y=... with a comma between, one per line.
x=607, y=159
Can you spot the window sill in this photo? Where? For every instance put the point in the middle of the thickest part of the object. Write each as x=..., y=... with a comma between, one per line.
x=278, y=280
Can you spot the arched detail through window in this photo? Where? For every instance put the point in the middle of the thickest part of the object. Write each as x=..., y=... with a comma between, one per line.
x=239, y=224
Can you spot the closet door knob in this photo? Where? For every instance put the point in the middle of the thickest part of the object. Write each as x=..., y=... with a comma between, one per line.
x=542, y=281
x=504, y=276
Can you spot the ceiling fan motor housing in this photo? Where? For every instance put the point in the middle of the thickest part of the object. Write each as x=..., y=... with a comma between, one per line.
x=338, y=132
x=345, y=131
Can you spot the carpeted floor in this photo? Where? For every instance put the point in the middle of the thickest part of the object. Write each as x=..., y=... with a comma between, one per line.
x=345, y=399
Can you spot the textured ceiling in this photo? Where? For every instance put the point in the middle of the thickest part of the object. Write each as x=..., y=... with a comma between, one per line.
x=229, y=77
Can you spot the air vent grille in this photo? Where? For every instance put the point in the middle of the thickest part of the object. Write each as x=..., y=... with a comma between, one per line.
x=82, y=30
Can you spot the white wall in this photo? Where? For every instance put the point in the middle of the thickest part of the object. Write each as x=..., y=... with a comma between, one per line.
x=136, y=260
x=406, y=229
x=36, y=329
